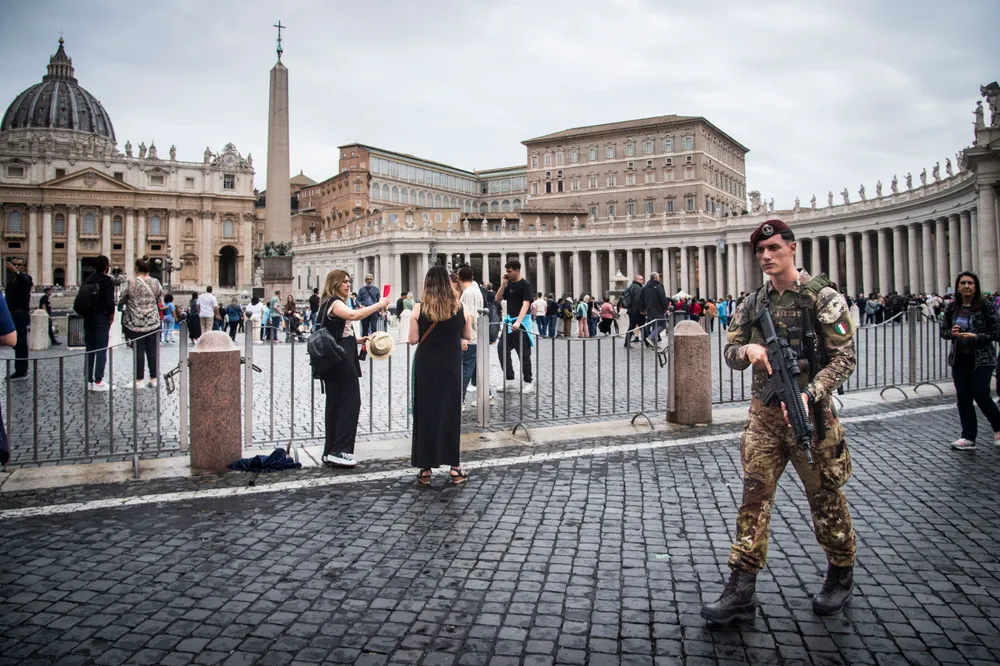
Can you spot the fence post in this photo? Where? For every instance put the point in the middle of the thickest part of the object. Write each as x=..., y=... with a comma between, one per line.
x=248, y=388
x=911, y=323
x=185, y=441
x=483, y=370
x=671, y=367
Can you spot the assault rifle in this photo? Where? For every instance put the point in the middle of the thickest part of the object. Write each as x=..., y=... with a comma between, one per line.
x=783, y=384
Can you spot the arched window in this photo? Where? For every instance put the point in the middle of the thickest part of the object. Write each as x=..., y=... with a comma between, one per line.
x=155, y=228
x=517, y=204
x=404, y=195
x=89, y=225
x=495, y=206
x=421, y=199
x=376, y=192
x=228, y=230
x=385, y=193
x=116, y=225
x=59, y=225
x=483, y=208
x=15, y=222
x=395, y=194
x=189, y=227
x=413, y=197
x=437, y=200
x=454, y=202
x=505, y=206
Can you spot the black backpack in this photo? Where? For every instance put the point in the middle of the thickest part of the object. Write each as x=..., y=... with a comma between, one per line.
x=325, y=352
x=628, y=297
x=87, y=298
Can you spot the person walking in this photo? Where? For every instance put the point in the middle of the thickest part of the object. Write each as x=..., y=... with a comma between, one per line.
x=289, y=318
x=972, y=325
x=566, y=314
x=141, y=320
x=538, y=309
x=233, y=316
x=169, y=319
x=313, y=308
x=631, y=300
x=19, y=285
x=607, y=316
x=254, y=314
x=439, y=327
x=472, y=302
x=194, y=318
x=711, y=311
x=551, y=315
x=45, y=303
x=582, y=317
x=516, y=329
x=97, y=321
x=654, y=308
x=799, y=303
x=208, y=309
x=341, y=384
x=593, y=315
x=367, y=296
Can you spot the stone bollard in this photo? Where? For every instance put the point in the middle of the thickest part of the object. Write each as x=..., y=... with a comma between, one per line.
x=692, y=360
x=38, y=336
x=216, y=438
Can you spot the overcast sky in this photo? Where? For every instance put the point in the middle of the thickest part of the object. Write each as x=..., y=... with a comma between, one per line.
x=824, y=94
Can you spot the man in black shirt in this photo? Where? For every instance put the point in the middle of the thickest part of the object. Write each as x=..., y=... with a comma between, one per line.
x=313, y=308
x=97, y=324
x=516, y=293
x=44, y=304
x=18, y=294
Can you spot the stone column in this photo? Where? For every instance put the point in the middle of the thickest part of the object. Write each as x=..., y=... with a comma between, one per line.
x=867, y=263
x=397, y=273
x=884, y=268
x=815, y=265
x=205, y=251
x=974, y=236
x=597, y=287
x=852, y=271
x=989, y=261
x=46, y=272
x=560, y=275
x=730, y=289
x=913, y=250
x=685, y=272
x=898, y=259
x=833, y=250
x=246, y=238
x=540, y=273
x=418, y=285
x=130, y=238
x=667, y=273
x=720, y=280
x=630, y=264
x=71, y=245
x=941, y=255
x=647, y=263
x=954, y=249
x=140, y=238
x=34, y=241
x=741, y=267
x=927, y=246
x=577, y=274
x=106, y=235
x=702, y=272
x=174, y=239
x=966, y=241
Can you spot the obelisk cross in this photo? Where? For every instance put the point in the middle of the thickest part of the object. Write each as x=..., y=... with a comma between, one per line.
x=279, y=27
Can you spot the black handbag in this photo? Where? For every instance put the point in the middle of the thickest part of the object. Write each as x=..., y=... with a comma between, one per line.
x=325, y=352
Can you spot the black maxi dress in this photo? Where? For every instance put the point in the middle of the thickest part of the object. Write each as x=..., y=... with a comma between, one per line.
x=437, y=393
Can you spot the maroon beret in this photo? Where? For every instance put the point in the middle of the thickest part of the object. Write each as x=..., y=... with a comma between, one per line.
x=766, y=230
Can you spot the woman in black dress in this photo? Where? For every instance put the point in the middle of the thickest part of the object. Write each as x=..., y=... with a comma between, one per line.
x=438, y=326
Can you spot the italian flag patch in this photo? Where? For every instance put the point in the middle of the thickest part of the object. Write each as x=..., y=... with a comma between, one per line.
x=840, y=328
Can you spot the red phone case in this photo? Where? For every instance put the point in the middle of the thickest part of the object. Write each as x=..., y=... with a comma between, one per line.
x=385, y=290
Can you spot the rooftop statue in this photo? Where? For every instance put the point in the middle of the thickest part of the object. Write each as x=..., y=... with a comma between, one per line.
x=895, y=184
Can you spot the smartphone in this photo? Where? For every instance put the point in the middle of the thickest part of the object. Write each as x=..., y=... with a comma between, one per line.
x=385, y=290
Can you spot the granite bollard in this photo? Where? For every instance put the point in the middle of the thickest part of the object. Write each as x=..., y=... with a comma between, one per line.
x=216, y=438
x=38, y=336
x=692, y=371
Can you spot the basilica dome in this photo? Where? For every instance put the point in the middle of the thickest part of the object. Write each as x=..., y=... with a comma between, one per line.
x=58, y=103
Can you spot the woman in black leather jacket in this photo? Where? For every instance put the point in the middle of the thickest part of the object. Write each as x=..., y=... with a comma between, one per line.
x=973, y=326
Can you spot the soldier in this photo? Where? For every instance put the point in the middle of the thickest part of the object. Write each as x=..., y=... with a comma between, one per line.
x=813, y=316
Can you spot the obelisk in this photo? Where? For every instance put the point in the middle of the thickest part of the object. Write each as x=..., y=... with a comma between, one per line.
x=278, y=224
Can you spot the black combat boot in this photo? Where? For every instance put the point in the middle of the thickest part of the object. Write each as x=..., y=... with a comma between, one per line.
x=738, y=600
x=838, y=588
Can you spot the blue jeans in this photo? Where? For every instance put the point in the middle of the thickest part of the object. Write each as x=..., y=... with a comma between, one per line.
x=592, y=326
x=95, y=336
x=468, y=368
x=659, y=325
x=550, y=320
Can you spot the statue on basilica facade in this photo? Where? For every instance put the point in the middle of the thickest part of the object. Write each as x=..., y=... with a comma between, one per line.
x=258, y=277
x=770, y=205
x=208, y=155
x=812, y=202
x=152, y=151
x=861, y=192
x=947, y=167
x=923, y=177
x=250, y=160
x=173, y=153
x=465, y=224
x=142, y=150
x=829, y=198
x=847, y=197
x=878, y=190
x=484, y=225
x=796, y=208
x=992, y=94
x=936, y=171
x=978, y=113
x=128, y=149
x=575, y=223
x=909, y=180
x=894, y=185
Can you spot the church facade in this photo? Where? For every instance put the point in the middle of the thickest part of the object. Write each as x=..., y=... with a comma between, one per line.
x=68, y=194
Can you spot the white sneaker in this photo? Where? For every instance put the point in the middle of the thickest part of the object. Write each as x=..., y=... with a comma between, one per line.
x=100, y=386
x=476, y=404
x=510, y=386
x=341, y=460
x=90, y=386
x=527, y=388
x=471, y=388
x=153, y=383
x=140, y=384
x=963, y=444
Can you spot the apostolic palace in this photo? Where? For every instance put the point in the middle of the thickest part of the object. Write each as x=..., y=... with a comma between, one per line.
x=588, y=207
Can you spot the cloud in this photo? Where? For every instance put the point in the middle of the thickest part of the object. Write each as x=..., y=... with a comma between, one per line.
x=824, y=95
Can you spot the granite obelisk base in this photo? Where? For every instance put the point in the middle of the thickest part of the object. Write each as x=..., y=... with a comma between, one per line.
x=215, y=403
x=692, y=359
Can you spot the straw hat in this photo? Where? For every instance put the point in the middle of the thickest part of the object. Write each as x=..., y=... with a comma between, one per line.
x=380, y=345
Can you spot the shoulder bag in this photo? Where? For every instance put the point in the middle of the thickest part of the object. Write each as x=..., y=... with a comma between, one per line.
x=325, y=351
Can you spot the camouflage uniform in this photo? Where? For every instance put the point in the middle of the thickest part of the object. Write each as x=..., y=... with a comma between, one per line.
x=768, y=444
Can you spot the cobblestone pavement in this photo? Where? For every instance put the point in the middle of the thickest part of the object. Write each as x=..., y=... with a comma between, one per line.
x=574, y=553
x=576, y=381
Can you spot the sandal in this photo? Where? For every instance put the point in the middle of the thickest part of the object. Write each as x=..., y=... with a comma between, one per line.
x=425, y=479
x=458, y=476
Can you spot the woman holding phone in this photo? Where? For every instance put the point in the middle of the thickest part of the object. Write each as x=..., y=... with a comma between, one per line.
x=973, y=326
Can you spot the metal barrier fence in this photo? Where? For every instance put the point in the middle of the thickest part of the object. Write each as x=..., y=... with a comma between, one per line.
x=54, y=416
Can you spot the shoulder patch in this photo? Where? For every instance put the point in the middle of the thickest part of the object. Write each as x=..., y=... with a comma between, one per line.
x=830, y=306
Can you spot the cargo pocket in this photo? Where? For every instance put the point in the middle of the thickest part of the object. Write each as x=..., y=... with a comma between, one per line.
x=835, y=470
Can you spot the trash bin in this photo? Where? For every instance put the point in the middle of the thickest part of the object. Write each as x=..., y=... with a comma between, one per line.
x=74, y=331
